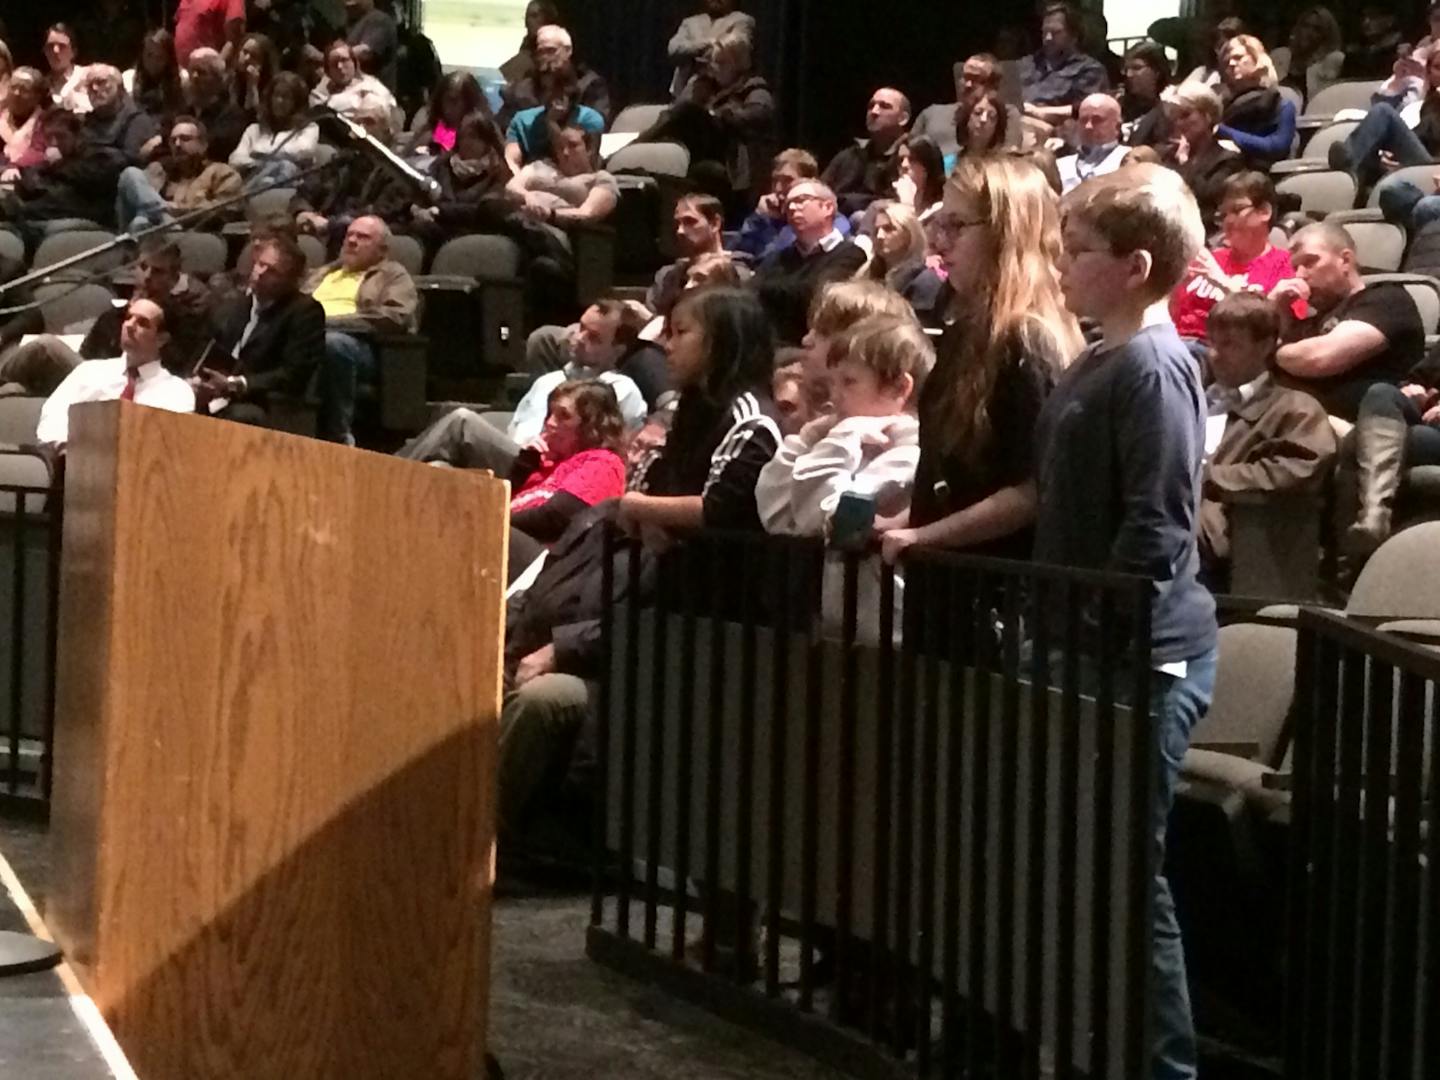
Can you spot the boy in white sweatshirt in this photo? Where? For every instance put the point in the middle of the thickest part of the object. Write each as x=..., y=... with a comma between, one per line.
x=868, y=444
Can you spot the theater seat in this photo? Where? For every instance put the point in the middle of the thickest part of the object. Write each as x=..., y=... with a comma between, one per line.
x=1320, y=191
x=61, y=246
x=70, y=308
x=201, y=253
x=1349, y=94
x=474, y=306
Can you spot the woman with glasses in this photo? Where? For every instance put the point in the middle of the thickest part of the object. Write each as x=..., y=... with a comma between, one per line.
x=999, y=234
x=1245, y=262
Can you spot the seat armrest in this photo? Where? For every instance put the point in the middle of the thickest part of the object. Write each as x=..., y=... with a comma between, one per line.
x=447, y=283
x=594, y=246
x=1248, y=751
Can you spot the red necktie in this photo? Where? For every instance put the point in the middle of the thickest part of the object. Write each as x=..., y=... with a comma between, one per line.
x=131, y=377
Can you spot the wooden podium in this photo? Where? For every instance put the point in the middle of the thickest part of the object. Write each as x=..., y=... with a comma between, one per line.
x=278, y=691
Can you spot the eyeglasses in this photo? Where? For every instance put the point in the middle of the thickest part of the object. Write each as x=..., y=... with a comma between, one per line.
x=1236, y=210
x=952, y=225
x=803, y=198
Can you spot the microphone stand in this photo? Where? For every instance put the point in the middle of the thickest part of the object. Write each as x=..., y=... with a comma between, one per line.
x=177, y=223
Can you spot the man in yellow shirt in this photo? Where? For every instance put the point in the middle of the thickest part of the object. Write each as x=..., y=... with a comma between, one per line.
x=364, y=292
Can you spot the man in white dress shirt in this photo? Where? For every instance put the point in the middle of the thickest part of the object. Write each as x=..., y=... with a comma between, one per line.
x=136, y=375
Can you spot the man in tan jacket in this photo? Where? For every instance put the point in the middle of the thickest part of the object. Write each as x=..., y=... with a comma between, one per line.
x=185, y=182
x=364, y=292
x=1276, y=439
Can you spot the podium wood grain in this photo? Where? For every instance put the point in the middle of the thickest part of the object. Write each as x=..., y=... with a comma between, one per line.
x=279, y=683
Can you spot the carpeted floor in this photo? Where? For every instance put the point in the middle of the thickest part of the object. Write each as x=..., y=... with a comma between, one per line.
x=555, y=1015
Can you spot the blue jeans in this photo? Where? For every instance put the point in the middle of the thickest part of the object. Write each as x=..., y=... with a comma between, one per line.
x=1407, y=205
x=1177, y=706
x=347, y=361
x=1382, y=129
x=137, y=204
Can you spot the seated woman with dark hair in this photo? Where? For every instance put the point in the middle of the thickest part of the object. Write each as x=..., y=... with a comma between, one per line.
x=456, y=96
x=921, y=184
x=345, y=88
x=283, y=142
x=573, y=465
x=1147, y=74
x=256, y=65
x=981, y=125
x=721, y=356
x=472, y=178
x=1256, y=119
x=527, y=137
x=1315, y=55
x=157, y=83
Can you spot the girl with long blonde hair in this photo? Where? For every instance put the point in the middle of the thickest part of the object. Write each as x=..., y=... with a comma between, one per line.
x=999, y=230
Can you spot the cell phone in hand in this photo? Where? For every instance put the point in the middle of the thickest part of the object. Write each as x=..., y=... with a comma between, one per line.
x=853, y=521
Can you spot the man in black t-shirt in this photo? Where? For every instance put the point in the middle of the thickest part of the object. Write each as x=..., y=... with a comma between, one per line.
x=1352, y=354
x=1357, y=334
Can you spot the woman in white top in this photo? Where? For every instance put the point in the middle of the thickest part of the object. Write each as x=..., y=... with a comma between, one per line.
x=1315, y=55
x=67, y=78
x=345, y=88
x=283, y=142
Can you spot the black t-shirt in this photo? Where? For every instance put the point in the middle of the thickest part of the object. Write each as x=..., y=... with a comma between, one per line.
x=1388, y=308
x=948, y=481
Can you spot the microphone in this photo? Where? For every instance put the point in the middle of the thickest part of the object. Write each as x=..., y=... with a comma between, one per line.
x=378, y=152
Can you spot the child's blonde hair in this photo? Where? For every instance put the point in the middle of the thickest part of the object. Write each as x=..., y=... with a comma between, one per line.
x=1142, y=208
x=844, y=303
x=891, y=347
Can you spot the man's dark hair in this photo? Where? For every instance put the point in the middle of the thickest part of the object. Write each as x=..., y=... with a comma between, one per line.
x=708, y=206
x=1247, y=312
x=627, y=329
x=64, y=28
x=161, y=248
x=995, y=77
x=287, y=248
x=61, y=118
x=1255, y=186
x=1070, y=14
x=193, y=121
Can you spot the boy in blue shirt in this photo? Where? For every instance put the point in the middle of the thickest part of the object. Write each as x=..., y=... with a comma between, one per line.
x=1120, y=450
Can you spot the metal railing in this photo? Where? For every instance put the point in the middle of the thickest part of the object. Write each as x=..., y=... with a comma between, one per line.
x=29, y=590
x=907, y=836
x=1363, y=975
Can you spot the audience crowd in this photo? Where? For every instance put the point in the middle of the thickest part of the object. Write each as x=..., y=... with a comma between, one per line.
x=1050, y=319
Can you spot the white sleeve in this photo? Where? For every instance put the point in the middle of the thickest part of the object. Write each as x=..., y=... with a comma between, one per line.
x=529, y=416
x=54, y=423
x=772, y=489
x=690, y=38
x=632, y=402
x=821, y=475
x=243, y=156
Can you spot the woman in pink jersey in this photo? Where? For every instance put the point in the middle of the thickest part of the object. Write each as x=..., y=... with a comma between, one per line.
x=1246, y=262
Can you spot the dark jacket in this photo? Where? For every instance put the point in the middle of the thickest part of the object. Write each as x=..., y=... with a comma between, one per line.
x=81, y=185
x=862, y=173
x=475, y=205
x=282, y=352
x=525, y=94
x=787, y=282
x=225, y=122
x=190, y=330
x=127, y=130
x=1206, y=174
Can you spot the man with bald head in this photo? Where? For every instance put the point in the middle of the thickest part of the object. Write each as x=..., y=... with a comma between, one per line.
x=1099, y=150
x=864, y=172
x=135, y=375
x=363, y=292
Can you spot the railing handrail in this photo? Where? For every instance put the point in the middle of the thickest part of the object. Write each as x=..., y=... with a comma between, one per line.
x=1364, y=637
